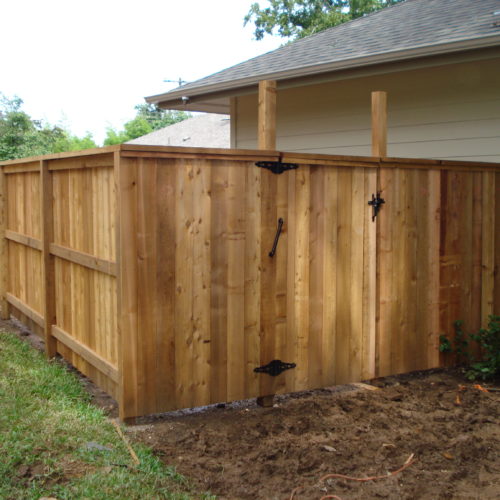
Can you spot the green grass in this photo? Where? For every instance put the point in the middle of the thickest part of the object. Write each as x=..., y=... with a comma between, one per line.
x=46, y=424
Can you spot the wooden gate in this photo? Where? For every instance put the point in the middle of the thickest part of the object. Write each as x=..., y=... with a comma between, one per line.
x=318, y=291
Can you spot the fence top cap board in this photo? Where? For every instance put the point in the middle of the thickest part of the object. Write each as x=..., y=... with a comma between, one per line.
x=132, y=150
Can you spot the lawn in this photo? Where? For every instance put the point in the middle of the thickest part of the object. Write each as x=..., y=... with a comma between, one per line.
x=54, y=443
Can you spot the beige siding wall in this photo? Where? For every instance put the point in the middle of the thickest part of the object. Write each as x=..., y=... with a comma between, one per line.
x=448, y=112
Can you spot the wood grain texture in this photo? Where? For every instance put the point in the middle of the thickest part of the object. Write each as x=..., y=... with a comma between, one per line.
x=48, y=266
x=379, y=123
x=267, y=115
x=166, y=295
x=125, y=171
x=490, y=213
x=4, y=256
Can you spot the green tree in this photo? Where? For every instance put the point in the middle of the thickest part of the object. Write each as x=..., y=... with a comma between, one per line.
x=299, y=18
x=21, y=136
x=148, y=118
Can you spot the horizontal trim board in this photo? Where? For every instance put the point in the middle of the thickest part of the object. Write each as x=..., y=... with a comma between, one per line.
x=418, y=165
x=330, y=163
x=28, y=165
x=86, y=353
x=198, y=151
x=25, y=309
x=84, y=259
x=199, y=156
x=23, y=239
x=98, y=161
x=23, y=168
x=59, y=156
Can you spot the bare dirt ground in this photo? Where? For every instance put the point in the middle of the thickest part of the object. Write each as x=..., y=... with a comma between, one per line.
x=242, y=451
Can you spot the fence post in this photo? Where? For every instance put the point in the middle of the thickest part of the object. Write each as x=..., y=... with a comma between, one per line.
x=48, y=266
x=125, y=174
x=4, y=259
x=267, y=115
x=379, y=123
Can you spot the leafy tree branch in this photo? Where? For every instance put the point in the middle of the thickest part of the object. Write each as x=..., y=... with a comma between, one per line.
x=299, y=18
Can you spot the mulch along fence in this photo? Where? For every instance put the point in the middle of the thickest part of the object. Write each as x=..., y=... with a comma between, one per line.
x=148, y=268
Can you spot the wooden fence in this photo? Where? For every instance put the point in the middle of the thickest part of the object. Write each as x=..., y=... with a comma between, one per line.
x=148, y=268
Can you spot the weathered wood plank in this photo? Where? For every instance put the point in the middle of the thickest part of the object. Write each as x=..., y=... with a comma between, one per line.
x=23, y=239
x=301, y=276
x=343, y=285
x=266, y=132
x=48, y=269
x=218, y=289
x=384, y=273
x=4, y=256
x=126, y=189
x=83, y=259
x=355, y=292
x=369, y=286
x=281, y=283
x=379, y=123
x=184, y=324
x=235, y=283
x=35, y=316
x=252, y=302
x=329, y=278
x=496, y=303
x=86, y=353
x=489, y=212
x=202, y=267
x=146, y=271
x=22, y=168
x=269, y=223
x=317, y=290
x=165, y=283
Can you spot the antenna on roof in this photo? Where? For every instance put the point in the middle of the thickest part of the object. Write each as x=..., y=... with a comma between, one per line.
x=180, y=81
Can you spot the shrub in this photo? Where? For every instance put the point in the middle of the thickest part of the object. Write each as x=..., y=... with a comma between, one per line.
x=487, y=365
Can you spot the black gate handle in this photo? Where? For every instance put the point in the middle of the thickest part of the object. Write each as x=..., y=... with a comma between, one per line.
x=277, y=237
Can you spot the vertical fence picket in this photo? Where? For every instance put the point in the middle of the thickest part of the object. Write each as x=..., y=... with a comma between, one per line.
x=48, y=265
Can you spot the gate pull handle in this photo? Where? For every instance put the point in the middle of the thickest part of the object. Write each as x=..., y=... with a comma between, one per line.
x=277, y=237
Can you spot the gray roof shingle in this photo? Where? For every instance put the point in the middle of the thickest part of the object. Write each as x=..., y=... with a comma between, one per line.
x=409, y=25
x=201, y=131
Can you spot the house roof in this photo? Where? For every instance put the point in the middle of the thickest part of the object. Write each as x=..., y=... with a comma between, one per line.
x=411, y=29
x=201, y=131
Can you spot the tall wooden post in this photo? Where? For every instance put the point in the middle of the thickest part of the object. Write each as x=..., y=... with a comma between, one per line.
x=267, y=115
x=4, y=262
x=379, y=123
x=49, y=279
x=125, y=177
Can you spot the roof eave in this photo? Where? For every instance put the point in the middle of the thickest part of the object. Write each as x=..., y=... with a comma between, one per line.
x=174, y=96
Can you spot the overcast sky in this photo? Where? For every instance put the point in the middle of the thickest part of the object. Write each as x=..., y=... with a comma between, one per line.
x=87, y=63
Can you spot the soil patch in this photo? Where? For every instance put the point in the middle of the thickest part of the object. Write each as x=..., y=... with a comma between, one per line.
x=243, y=451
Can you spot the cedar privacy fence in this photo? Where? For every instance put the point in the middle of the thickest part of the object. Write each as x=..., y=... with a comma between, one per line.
x=148, y=268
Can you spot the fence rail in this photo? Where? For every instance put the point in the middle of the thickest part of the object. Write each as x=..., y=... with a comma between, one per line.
x=148, y=268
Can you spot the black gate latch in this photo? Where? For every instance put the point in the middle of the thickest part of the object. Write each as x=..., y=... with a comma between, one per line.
x=275, y=367
x=376, y=203
x=276, y=167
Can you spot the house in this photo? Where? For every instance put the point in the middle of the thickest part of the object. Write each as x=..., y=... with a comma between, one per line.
x=437, y=60
x=207, y=130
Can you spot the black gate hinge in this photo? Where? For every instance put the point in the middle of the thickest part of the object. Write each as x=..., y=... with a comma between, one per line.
x=376, y=202
x=277, y=167
x=275, y=367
